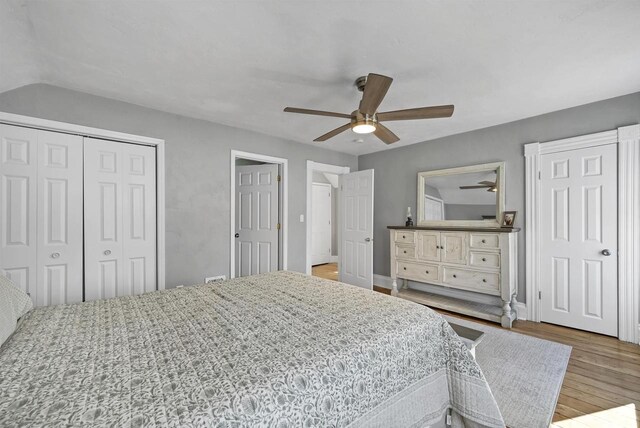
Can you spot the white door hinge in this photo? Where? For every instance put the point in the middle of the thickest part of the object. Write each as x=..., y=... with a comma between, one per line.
x=279, y=178
x=539, y=295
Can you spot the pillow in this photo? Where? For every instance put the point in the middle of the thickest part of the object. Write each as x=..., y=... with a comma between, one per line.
x=14, y=304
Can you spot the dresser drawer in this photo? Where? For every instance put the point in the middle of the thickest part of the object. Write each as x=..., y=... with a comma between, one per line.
x=484, y=260
x=482, y=281
x=405, y=252
x=405, y=237
x=485, y=240
x=420, y=272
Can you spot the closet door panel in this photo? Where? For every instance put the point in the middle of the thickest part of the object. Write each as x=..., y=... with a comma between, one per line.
x=103, y=219
x=139, y=218
x=60, y=218
x=18, y=201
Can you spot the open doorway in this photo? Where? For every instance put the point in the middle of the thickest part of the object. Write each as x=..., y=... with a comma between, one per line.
x=258, y=214
x=322, y=219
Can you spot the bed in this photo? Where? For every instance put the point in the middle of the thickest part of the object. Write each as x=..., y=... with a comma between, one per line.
x=273, y=350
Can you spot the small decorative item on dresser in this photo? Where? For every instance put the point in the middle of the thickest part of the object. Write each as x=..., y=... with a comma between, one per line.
x=409, y=221
x=509, y=218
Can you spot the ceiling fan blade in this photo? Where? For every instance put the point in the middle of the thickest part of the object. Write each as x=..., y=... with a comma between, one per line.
x=333, y=133
x=316, y=112
x=385, y=134
x=416, y=113
x=374, y=91
x=474, y=187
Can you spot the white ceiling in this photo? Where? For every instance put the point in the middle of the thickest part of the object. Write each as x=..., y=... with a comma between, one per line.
x=240, y=62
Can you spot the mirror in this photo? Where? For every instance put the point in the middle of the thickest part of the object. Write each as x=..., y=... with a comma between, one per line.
x=465, y=196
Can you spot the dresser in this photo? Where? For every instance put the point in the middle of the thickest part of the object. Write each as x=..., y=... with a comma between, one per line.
x=482, y=261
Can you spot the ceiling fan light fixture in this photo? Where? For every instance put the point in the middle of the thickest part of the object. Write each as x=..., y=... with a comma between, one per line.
x=364, y=128
x=362, y=123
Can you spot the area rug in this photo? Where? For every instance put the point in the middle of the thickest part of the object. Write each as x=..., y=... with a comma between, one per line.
x=525, y=373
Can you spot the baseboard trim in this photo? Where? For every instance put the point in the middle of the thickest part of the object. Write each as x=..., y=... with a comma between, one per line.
x=521, y=308
x=382, y=281
x=386, y=282
x=333, y=259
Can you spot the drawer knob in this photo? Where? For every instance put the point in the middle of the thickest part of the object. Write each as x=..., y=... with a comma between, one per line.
x=484, y=241
x=403, y=237
x=404, y=268
x=484, y=259
x=484, y=280
x=55, y=255
x=405, y=251
x=426, y=271
x=454, y=276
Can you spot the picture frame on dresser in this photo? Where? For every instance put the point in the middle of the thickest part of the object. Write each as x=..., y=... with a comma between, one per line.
x=509, y=218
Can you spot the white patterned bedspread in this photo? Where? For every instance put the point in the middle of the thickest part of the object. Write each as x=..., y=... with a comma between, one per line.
x=271, y=350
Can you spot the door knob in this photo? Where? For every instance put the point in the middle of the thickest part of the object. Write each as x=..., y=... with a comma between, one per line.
x=606, y=252
x=368, y=239
x=55, y=255
x=237, y=235
x=107, y=252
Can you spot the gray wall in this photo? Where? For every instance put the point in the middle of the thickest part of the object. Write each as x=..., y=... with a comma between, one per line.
x=197, y=172
x=396, y=169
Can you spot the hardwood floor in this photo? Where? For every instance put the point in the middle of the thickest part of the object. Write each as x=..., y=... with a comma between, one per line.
x=327, y=271
x=602, y=385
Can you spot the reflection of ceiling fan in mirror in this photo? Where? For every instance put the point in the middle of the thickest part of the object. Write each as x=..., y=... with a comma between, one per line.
x=366, y=119
x=489, y=185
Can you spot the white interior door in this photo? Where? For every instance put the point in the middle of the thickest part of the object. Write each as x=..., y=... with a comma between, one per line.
x=321, y=223
x=139, y=219
x=41, y=213
x=120, y=219
x=257, y=202
x=356, y=228
x=578, y=262
x=60, y=258
x=18, y=199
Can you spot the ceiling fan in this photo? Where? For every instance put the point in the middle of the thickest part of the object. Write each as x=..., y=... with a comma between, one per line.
x=366, y=119
x=489, y=185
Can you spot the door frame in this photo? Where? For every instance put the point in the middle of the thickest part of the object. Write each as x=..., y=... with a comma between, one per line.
x=283, y=201
x=118, y=137
x=320, y=167
x=627, y=140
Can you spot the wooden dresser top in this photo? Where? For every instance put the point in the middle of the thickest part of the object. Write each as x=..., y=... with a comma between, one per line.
x=459, y=228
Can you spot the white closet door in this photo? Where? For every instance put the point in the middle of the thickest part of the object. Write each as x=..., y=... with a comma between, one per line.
x=120, y=219
x=59, y=219
x=139, y=219
x=579, y=239
x=18, y=199
x=103, y=272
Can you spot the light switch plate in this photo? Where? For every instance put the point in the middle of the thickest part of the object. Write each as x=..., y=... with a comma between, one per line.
x=301, y=218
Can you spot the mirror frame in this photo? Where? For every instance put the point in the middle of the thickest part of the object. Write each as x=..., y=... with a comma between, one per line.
x=500, y=193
